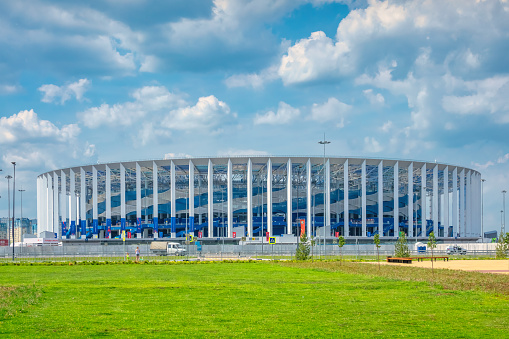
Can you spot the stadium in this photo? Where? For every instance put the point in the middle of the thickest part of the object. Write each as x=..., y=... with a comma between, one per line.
x=259, y=196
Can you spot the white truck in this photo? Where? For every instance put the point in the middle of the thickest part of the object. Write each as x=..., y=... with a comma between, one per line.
x=167, y=248
x=455, y=250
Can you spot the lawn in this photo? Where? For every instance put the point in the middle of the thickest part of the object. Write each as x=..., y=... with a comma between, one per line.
x=261, y=299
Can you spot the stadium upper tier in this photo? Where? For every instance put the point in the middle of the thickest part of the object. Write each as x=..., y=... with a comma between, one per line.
x=253, y=196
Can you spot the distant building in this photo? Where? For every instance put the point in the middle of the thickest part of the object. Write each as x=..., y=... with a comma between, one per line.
x=3, y=232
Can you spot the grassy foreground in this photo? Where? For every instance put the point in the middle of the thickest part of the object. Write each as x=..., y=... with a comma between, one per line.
x=245, y=299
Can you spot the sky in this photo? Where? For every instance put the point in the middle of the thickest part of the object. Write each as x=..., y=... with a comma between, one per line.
x=116, y=80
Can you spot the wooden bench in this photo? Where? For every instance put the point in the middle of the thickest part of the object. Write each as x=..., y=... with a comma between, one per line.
x=432, y=258
x=400, y=260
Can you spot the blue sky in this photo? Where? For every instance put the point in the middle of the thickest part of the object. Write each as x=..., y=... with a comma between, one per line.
x=87, y=82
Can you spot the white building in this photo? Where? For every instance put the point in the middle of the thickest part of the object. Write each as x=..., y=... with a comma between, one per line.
x=250, y=195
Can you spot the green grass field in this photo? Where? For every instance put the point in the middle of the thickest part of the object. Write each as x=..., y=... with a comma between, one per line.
x=262, y=299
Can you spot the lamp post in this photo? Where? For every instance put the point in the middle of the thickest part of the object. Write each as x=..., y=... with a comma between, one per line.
x=503, y=211
x=324, y=142
x=501, y=222
x=9, y=177
x=13, y=205
x=482, y=209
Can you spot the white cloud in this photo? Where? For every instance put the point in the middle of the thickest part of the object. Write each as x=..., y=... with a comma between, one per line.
x=487, y=96
x=176, y=156
x=503, y=159
x=387, y=126
x=375, y=99
x=285, y=114
x=65, y=92
x=463, y=33
x=241, y=152
x=332, y=111
x=89, y=150
x=371, y=145
x=26, y=125
x=148, y=99
x=313, y=58
x=254, y=80
x=9, y=89
x=208, y=113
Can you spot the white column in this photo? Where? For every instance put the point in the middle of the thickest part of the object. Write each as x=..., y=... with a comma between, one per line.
x=42, y=205
x=478, y=204
x=249, y=198
x=396, y=199
x=269, y=197
x=308, y=207
x=94, y=203
x=346, y=207
x=229, y=194
x=455, y=202
x=210, y=196
x=381, y=198
x=435, y=200
x=56, y=222
x=155, y=199
x=289, y=199
x=173, y=201
x=138, y=201
x=39, y=203
x=410, y=205
x=468, y=210
x=191, y=196
x=461, y=226
x=423, y=201
x=108, y=196
x=72, y=204
x=83, y=201
x=445, y=211
x=122, y=196
x=363, y=199
x=63, y=200
x=327, y=196
x=50, y=215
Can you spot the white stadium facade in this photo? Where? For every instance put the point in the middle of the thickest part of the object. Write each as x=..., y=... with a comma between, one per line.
x=234, y=197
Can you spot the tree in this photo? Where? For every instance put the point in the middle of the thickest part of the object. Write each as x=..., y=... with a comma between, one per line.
x=502, y=246
x=376, y=240
x=341, y=243
x=432, y=243
x=401, y=249
x=312, y=242
x=303, y=248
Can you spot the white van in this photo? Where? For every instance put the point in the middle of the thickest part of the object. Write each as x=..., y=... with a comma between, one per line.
x=174, y=248
x=455, y=250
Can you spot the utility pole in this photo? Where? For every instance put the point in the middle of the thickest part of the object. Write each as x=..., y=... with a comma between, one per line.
x=9, y=177
x=503, y=211
x=13, y=204
x=324, y=142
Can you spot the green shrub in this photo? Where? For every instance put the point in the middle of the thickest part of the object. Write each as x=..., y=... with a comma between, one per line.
x=401, y=249
x=303, y=248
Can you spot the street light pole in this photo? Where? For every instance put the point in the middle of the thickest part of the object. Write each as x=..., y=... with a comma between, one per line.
x=482, y=209
x=9, y=177
x=324, y=142
x=503, y=211
x=13, y=205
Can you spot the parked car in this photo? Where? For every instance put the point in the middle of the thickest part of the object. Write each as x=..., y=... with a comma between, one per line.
x=455, y=250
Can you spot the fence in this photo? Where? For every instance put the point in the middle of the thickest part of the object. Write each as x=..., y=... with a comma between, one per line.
x=214, y=252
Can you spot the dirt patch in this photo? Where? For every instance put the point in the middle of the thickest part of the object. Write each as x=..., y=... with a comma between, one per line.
x=484, y=266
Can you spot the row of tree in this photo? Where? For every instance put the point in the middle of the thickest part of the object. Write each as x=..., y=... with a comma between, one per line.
x=401, y=249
